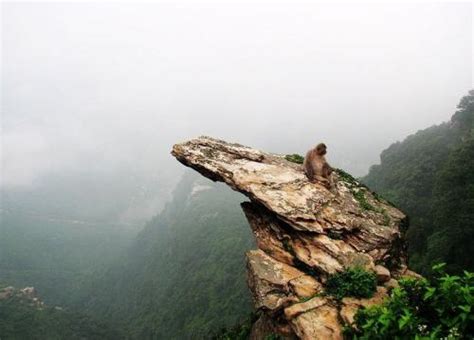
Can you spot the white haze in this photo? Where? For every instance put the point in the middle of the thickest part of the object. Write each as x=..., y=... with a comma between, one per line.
x=97, y=87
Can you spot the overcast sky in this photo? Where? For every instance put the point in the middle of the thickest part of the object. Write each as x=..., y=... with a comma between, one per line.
x=96, y=86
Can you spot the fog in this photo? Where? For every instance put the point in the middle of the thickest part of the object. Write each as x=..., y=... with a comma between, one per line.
x=97, y=87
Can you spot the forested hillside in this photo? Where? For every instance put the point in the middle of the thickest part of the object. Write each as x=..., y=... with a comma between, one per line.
x=60, y=228
x=430, y=176
x=55, y=255
x=25, y=316
x=184, y=277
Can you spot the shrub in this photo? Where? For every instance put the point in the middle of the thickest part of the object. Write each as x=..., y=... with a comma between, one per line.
x=355, y=282
x=240, y=331
x=421, y=309
x=295, y=158
x=346, y=177
x=360, y=197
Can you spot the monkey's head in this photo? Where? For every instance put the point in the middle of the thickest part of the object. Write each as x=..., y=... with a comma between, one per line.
x=321, y=149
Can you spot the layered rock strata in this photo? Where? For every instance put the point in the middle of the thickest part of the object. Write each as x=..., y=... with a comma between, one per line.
x=305, y=233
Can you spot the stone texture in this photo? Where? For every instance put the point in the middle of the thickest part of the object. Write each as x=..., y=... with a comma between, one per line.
x=351, y=305
x=262, y=328
x=7, y=292
x=275, y=284
x=305, y=286
x=411, y=274
x=304, y=233
x=282, y=187
x=383, y=274
x=315, y=319
x=390, y=284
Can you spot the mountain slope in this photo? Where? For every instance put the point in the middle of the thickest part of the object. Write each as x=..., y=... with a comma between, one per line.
x=56, y=230
x=184, y=277
x=430, y=175
x=24, y=316
x=313, y=242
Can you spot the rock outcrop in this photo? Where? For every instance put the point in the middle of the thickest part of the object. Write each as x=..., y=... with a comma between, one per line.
x=27, y=294
x=305, y=233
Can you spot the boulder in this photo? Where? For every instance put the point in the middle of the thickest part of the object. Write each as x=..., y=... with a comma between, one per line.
x=383, y=274
x=275, y=284
x=316, y=319
x=304, y=233
x=351, y=305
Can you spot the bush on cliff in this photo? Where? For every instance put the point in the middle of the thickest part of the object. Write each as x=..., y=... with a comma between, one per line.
x=355, y=282
x=240, y=331
x=295, y=158
x=441, y=307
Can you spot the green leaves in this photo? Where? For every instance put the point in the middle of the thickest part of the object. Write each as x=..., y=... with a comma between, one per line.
x=355, y=282
x=295, y=158
x=438, y=268
x=421, y=309
x=239, y=331
x=430, y=176
x=429, y=293
x=21, y=319
x=405, y=319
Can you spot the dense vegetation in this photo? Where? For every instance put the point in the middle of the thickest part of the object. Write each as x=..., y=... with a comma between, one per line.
x=54, y=255
x=63, y=226
x=295, y=158
x=355, y=282
x=441, y=308
x=21, y=320
x=239, y=331
x=185, y=275
x=182, y=277
x=430, y=176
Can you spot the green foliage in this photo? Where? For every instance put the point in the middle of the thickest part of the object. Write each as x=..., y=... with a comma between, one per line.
x=55, y=255
x=240, y=331
x=358, y=191
x=463, y=115
x=453, y=211
x=430, y=176
x=295, y=158
x=55, y=232
x=184, y=276
x=420, y=309
x=359, y=195
x=20, y=320
x=355, y=282
x=346, y=177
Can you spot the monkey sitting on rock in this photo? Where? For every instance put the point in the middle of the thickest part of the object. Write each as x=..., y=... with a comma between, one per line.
x=316, y=167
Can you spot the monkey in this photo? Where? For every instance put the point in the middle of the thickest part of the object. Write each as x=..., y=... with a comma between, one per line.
x=316, y=167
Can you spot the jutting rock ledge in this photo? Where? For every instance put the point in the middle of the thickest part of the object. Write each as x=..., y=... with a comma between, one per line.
x=304, y=233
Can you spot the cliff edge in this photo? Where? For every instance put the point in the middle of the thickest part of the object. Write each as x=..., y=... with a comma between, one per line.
x=306, y=234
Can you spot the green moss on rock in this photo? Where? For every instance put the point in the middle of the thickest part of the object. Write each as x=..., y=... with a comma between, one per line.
x=295, y=158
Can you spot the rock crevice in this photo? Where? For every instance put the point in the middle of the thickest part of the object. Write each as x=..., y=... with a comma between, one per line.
x=305, y=233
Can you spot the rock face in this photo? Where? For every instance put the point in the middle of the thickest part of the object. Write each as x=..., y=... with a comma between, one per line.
x=304, y=233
